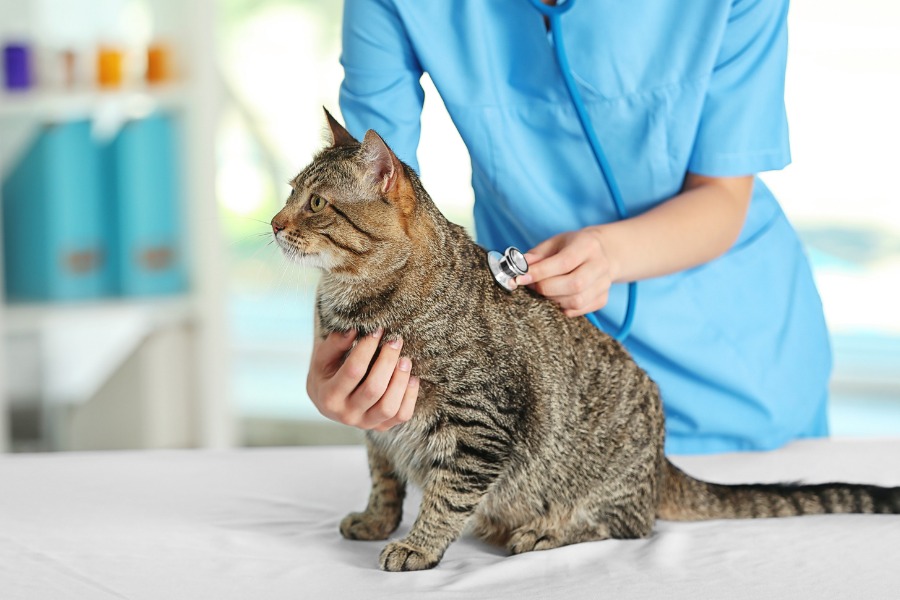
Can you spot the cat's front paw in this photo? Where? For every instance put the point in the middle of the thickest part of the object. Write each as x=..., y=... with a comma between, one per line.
x=366, y=526
x=400, y=556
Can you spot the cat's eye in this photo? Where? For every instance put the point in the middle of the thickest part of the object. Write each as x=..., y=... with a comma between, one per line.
x=317, y=203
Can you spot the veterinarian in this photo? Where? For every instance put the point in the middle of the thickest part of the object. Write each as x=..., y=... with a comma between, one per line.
x=687, y=99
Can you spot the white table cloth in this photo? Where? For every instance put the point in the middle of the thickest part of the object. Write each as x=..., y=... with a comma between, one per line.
x=248, y=524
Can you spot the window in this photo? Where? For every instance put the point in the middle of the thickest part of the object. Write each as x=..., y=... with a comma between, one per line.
x=842, y=94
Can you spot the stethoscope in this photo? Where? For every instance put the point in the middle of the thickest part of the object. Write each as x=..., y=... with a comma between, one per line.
x=508, y=266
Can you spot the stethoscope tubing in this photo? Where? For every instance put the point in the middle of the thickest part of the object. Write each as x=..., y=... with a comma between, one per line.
x=552, y=10
x=553, y=14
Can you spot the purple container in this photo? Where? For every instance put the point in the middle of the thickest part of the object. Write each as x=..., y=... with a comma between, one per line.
x=17, y=65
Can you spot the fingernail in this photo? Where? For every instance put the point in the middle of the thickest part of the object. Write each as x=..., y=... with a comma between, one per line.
x=413, y=381
x=378, y=333
x=405, y=364
x=396, y=343
x=523, y=279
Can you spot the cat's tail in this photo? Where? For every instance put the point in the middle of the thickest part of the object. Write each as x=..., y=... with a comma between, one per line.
x=683, y=498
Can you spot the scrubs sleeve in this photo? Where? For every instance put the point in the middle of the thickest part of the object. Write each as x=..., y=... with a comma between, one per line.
x=743, y=125
x=381, y=88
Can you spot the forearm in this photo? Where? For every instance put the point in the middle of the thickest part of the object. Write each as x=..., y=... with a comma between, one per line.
x=692, y=228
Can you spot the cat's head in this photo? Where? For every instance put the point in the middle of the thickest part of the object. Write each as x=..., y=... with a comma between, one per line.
x=350, y=211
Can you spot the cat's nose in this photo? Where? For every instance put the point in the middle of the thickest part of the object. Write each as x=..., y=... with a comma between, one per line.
x=277, y=225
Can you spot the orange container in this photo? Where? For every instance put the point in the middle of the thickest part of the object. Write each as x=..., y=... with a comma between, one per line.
x=159, y=63
x=110, y=67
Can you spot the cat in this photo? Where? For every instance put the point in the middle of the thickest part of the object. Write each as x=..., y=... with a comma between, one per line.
x=533, y=429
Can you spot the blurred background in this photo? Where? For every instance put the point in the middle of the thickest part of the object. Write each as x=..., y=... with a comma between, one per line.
x=145, y=144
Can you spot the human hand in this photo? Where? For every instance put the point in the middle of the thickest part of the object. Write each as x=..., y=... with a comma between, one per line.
x=573, y=269
x=342, y=392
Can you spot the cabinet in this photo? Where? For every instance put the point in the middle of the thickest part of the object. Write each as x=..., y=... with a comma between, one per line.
x=66, y=353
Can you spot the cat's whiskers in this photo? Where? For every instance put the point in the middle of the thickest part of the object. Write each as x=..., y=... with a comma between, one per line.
x=266, y=223
x=299, y=266
x=288, y=251
x=247, y=236
x=260, y=248
x=235, y=242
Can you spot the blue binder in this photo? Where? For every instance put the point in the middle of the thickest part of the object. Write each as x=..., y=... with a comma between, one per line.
x=145, y=210
x=53, y=228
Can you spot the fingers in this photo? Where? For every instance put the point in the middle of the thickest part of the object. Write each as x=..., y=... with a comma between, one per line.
x=397, y=401
x=326, y=359
x=376, y=383
x=538, y=268
x=558, y=258
x=356, y=365
x=329, y=384
x=584, y=290
x=578, y=281
x=367, y=391
x=331, y=350
x=563, y=262
x=388, y=404
x=578, y=305
x=572, y=270
x=546, y=248
x=403, y=389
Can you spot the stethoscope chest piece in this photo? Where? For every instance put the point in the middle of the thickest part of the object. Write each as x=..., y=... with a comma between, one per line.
x=507, y=266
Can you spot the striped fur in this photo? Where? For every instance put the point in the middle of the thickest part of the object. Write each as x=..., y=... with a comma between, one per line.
x=686, y=499
x=532, y=429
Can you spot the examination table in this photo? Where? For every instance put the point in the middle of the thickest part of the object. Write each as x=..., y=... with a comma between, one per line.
x=263, y=524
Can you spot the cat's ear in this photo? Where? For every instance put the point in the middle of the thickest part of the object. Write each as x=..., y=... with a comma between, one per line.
x=384, y=166
x=339, y=135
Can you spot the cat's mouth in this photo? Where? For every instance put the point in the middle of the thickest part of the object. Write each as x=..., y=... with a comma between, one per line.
x=290, y=249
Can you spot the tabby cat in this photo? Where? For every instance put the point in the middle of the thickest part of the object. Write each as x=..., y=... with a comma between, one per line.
x=534, y=429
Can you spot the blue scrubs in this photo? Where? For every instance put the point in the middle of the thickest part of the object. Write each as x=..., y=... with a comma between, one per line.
x=738, y=346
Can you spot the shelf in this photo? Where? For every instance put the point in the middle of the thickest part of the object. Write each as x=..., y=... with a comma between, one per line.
x=163, y=356
x=64, y=353
x=59, y=105
x=34, y=317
